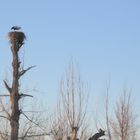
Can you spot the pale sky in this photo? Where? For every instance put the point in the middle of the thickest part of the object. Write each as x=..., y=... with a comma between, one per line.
x=102, y=36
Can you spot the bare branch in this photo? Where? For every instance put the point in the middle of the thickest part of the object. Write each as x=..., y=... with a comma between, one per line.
x=32, y=121
x=7, y=86
x=25, y=95
x=24, y=136
x=4, y=117
x=4, y=95
x=4, y=109
x=107, y=112
x=24, y=71
x=4, y=136
x=36, y=135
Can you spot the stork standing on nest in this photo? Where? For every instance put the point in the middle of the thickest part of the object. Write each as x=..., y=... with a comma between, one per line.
x=15, y=28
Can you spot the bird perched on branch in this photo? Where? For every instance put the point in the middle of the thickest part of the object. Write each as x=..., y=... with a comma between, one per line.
x=15, y=28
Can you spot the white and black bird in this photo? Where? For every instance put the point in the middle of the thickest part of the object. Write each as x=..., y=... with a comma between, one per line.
x=15, y=28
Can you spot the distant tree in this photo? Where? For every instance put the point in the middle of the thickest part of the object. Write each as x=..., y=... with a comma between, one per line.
x=72, y=107
x=107, y=117
x=124, y=125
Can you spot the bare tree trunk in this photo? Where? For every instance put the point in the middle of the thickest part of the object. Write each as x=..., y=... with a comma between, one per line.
x=14, y=95
x=16, y=40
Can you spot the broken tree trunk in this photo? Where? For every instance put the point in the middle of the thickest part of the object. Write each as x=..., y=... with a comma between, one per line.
x=16, y=39
x=97, y=135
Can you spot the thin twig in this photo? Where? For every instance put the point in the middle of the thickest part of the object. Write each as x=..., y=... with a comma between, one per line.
x=32, y=121
x=4, y=95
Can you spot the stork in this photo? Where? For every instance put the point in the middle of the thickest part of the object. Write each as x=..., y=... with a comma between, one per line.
x=15, y=28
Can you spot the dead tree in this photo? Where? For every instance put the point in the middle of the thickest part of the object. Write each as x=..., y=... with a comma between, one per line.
x=17, y=40
x=97, y=135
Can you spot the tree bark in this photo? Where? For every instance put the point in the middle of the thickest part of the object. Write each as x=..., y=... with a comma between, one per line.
x=14, y=95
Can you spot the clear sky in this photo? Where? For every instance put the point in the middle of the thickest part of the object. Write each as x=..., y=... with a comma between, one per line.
x=102, y=36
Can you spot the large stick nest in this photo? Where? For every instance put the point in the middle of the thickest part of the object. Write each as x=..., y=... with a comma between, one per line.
x=17, y=37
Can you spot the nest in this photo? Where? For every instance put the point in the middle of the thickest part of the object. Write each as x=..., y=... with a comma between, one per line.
x=19, y=37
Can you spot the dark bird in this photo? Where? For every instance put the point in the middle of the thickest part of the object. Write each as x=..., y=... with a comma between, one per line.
x=15, y=28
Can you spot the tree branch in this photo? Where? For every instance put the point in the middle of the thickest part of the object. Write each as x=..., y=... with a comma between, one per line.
x=25, y=95
x=4, y=95
x=32, y=121
x=24, y=71
x=4, y=135
x=4, y=109
x=36, y=135
x=7, y=86
x=4, y=117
